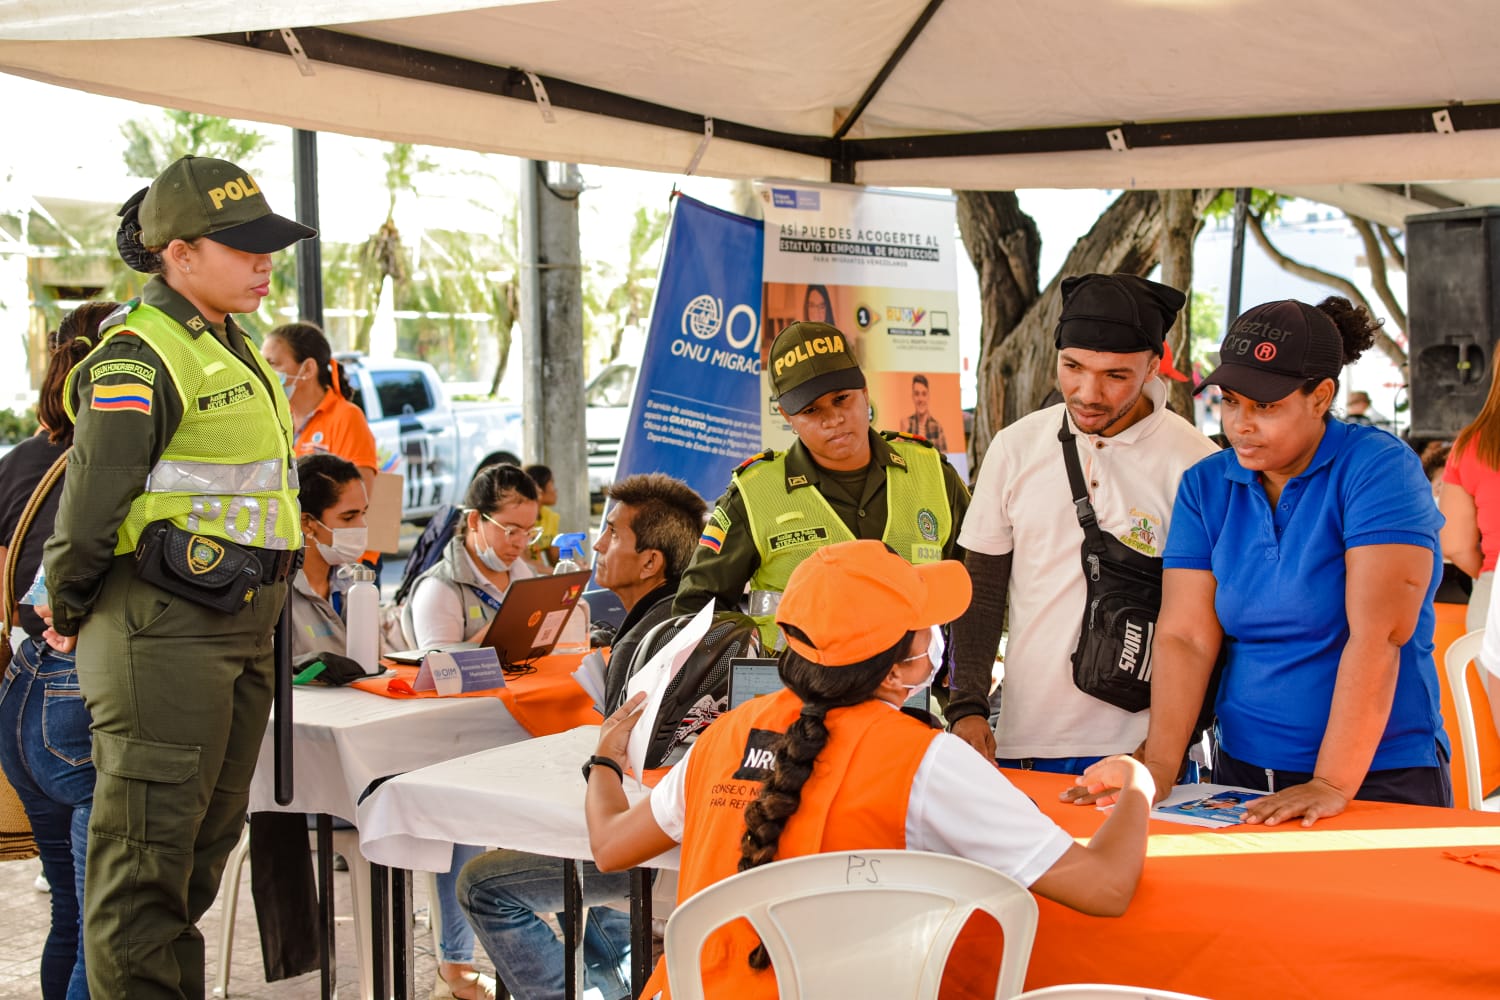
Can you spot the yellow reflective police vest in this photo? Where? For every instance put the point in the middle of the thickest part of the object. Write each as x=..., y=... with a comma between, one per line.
x=789, y=525
x=228, y=470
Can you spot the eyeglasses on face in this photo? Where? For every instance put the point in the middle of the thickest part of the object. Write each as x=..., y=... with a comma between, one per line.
x=533, y=534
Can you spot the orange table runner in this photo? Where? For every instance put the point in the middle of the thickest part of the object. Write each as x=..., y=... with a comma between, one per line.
x=545, y=701
x=1367, y=904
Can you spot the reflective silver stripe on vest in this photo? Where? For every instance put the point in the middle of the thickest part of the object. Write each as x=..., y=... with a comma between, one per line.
x=214, y=478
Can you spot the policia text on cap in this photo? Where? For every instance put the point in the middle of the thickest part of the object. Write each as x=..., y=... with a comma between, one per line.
x=839, y=481
x=183, y=441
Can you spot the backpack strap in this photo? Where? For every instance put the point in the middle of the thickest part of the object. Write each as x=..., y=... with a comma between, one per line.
x=13, y=554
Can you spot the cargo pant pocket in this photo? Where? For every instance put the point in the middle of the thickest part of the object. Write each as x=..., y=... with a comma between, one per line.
x=145, y=793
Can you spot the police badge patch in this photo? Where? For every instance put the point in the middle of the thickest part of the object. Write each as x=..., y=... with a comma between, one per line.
x=927, y=524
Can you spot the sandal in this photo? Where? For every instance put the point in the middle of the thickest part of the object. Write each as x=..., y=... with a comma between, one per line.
x=470, y=986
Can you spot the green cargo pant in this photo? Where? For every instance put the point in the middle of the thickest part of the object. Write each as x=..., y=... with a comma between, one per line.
x=179, y=695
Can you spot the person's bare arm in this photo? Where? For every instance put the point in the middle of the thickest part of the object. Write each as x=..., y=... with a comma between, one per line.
x=620, y=835
x=1383, y=598
x=1101, y=879
x=1188, y=636
x=1460, y=532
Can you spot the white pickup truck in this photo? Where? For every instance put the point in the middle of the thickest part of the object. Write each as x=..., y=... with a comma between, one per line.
x=420, y=433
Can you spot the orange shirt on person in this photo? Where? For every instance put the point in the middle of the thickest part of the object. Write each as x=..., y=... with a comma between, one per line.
x=856, y=799
x=338, y=427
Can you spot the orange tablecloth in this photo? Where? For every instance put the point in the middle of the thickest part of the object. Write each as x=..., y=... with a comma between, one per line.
x=544, y=702
x=1366, y=904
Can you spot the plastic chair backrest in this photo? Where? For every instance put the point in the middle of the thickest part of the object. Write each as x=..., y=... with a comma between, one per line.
x=1456, y=667
x=856, y=923
x=1104, y=991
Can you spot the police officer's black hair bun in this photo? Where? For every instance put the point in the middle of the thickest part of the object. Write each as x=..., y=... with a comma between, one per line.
x=128, y=237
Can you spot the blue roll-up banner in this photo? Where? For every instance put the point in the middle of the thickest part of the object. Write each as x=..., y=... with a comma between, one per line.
x=696, y=410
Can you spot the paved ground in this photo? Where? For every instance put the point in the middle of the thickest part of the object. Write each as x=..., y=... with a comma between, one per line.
x=25, y=917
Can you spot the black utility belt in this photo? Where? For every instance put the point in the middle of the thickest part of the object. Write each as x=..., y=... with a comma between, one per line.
x=207, y=570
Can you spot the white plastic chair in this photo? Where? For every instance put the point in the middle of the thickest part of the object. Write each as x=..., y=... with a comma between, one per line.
x=856, y=923
x=1102, y=991
x=346, y=843
x=1456, y=661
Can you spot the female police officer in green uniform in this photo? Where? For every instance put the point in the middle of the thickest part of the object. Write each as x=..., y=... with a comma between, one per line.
x=181, y=471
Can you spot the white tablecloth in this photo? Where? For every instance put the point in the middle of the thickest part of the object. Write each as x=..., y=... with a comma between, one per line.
x=526, y=797
x=344, y=738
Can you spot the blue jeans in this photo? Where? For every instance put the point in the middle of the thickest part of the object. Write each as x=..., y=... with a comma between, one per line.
x=1052, y=765
x=456, y=937
x=503, y=891
x=46, y=751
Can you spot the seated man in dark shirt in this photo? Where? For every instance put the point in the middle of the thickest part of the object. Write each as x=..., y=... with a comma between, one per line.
x=649, y=536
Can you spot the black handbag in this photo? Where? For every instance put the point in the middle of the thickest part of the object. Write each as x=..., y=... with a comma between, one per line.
x=213, y=572
x=1113, y=659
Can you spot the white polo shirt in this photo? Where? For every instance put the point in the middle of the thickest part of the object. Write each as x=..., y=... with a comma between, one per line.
x=1023, y=505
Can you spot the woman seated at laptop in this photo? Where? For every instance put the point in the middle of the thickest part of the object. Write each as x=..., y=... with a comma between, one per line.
x=456, y=599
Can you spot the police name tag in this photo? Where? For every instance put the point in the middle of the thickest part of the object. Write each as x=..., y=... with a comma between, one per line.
x=460, y=671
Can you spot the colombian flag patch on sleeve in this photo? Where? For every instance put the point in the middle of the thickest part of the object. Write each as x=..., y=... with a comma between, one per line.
x=712, y=537
x=126, y=396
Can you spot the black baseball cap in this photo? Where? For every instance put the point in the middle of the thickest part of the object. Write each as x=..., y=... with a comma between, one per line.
x=1274, y=349
x=201, y=196
x=1116, y=313
x=808, y=360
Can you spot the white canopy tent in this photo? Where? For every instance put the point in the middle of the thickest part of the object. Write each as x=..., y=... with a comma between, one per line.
x=1314, y=95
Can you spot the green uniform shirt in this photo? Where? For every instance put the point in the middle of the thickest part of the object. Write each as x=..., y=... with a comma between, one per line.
x=115, y=450
x=721, y=575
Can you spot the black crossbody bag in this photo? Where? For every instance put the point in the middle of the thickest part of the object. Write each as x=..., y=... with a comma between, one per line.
x=1113, y=658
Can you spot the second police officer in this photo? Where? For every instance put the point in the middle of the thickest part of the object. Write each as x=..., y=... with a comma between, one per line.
x=839, y=481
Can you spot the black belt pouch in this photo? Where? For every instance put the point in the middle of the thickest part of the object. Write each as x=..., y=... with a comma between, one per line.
x=210, y=571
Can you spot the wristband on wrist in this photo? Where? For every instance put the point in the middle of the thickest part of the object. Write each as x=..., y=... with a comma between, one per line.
x=606, y=762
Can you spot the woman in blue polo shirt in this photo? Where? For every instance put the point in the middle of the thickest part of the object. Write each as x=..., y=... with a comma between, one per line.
x=1308, y=553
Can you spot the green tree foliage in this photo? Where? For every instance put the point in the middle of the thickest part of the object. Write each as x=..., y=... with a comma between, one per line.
x=153, y=144
x=616, y=299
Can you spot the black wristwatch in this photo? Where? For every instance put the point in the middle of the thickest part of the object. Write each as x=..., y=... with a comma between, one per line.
x=608, y=762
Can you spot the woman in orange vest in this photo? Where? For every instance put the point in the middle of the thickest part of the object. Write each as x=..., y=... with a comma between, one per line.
x=831, y=764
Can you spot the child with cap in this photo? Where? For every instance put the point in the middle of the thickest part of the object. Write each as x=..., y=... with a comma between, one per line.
x=1314, y=543
x=182, y=429
x=860, y=627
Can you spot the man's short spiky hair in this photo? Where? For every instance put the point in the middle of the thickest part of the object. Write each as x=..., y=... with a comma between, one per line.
x=665, y=514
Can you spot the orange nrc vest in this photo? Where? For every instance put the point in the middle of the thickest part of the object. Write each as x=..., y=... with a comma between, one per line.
x=855, y=800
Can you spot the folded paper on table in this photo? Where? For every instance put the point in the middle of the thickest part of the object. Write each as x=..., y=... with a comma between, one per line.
x=460, y=671
x=654, y=678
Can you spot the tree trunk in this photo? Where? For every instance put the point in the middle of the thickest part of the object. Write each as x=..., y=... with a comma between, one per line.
x=1179, y=231
x=1005, y=246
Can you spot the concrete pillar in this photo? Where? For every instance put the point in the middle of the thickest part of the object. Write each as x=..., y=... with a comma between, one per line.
x=552, y=333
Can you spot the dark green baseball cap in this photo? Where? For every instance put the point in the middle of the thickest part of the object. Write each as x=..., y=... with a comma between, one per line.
x=201, y=196
x=808, y=360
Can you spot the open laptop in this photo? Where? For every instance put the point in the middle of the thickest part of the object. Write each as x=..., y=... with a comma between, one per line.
x=531, y=618
x=751, y=677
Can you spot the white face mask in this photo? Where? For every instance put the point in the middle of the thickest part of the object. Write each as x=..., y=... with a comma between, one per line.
x=489, y=557
x=935, y=655
x=348, y=545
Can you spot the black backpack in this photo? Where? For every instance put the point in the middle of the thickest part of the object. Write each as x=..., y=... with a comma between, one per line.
x=429, y=548
x=699, y=693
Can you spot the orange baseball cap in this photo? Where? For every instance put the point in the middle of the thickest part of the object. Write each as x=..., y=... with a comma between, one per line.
x=855, y=600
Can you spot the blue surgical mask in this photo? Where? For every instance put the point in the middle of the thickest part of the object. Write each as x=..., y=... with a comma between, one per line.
x=288, y=382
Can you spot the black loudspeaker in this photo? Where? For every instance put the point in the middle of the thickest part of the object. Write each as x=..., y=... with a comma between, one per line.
x=1453, y=314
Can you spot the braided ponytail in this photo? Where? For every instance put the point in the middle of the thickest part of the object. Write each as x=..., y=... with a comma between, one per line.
x=821, y=689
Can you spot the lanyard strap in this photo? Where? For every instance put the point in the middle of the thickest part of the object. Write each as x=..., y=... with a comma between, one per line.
x=489, y=600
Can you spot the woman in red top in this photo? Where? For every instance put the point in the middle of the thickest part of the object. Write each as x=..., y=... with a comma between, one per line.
x=849, y=771
x=1470, y=501
x=318, y=392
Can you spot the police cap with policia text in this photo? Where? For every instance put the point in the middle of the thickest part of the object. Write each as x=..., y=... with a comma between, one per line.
x=201, y=196
x=808, y=360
